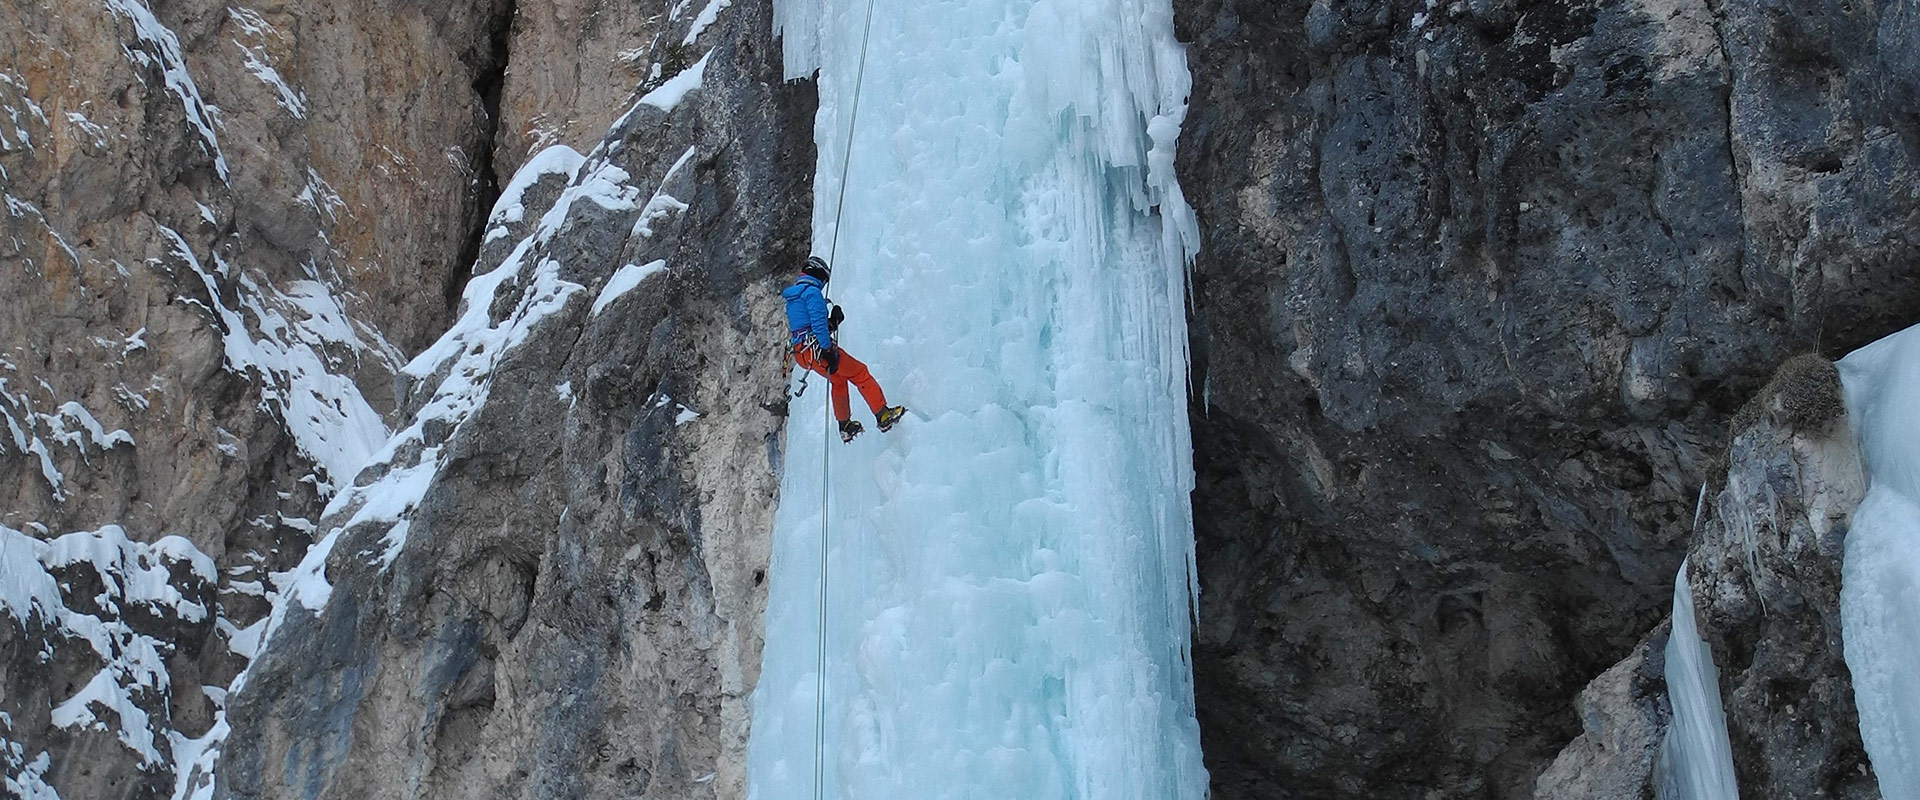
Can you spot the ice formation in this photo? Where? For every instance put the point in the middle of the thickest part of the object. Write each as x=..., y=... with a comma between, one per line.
x=1880, y=579
x=1011, y=570
x=1696, y=759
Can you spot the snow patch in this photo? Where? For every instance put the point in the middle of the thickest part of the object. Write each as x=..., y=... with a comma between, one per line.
x=556, y=160
x=257, y=62
x=707, y=17
x=70, y=425
x=682, y=415
x=292, y=364
x=623, y=281
x=670, y=92
x=662, y=204
x=21, y=111
x=95, y=133
x=27, y=779
x=320, y=196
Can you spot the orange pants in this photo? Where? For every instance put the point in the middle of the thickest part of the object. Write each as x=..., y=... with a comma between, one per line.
x=851, y=371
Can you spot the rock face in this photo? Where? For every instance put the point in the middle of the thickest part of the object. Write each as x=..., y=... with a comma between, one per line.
x=229, y=228
x=224, y=226
x=1765, y=572
x=551, y=584
x=1482, y=284
x=574, y=66
x=1624, y=715
x=1766, y=578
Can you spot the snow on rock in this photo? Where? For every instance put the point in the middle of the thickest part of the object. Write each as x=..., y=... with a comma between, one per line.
x=682, y=414
x=294, y=102
x=661, y=204
x=260, y=65
x=26, y=777
x=162, y=51
x=94, y=132
x=623, y=281
x=1880, y=575
x=459, y=368
x=558, y=160
x=297, y=360
x=90, y=429
x=670, y=92
x=22, y=208
x=35, y=433
x=301, y=330
x=25, y=591
x=169, y=580
x=707, y=17
x=320, y=196
x=22, y=112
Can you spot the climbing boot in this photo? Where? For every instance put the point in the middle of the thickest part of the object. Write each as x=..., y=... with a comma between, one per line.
x=890, y=415
x=850, y=428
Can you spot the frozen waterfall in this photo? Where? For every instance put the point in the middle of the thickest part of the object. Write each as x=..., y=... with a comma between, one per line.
x=1880, y=580
x=1011, y=570
x=1696, y=760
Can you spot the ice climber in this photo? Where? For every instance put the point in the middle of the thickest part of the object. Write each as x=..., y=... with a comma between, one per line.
x=812, y=325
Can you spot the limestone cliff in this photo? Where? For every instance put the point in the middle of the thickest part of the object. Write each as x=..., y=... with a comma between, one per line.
x=551, y=583
x=224, y=227
x=1482, y=284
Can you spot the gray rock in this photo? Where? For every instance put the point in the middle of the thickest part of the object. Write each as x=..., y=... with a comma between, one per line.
x=1765, y=573
x=1624, y=715
x=1481, y=286
x=575, y=610
x=1766, y=576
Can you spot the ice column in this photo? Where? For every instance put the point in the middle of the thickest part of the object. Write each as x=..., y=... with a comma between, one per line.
x=1011, y=569
x=1696, y=760
x=1880, y=580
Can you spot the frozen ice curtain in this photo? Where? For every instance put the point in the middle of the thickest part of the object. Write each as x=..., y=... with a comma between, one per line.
x=1010, y=576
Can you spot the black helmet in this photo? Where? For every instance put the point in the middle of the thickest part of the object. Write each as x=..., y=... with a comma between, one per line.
x=817, y=267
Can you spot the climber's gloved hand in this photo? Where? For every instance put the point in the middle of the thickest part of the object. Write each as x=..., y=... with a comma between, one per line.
x=834, y=318
x=832, y=356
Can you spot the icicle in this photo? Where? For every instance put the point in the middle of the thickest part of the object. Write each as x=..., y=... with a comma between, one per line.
x=1696, y=760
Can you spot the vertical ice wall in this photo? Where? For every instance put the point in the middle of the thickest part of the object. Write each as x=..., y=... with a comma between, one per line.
x=1011, y=570
x=1696, y=760
x=1880, y=579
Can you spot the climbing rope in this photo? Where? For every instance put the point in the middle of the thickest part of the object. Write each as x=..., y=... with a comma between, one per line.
x=826, y=464
x=853, y=118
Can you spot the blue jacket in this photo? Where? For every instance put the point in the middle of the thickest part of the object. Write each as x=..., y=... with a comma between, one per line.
x=807, y=311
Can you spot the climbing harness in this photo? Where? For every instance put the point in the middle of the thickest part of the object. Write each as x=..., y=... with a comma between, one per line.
x=808, y=345
x=827, y=431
